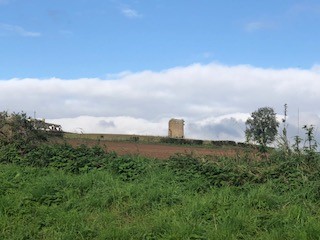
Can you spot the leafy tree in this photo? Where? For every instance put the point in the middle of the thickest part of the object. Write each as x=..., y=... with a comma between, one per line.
x=262, y=126
x=18, y=129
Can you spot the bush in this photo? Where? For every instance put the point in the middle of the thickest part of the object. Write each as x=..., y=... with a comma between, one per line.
x=181, y=141
x=224, y=171
x=134, y=139
x=17, y=129
x=184, y=164
x=9, y=154
x=67, y=158
x=129, y=167
x=223, y=143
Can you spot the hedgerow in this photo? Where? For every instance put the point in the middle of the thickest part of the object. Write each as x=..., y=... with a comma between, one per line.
x=214, y=171
x=131, y=197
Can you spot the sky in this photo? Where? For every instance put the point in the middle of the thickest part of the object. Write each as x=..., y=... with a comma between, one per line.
x=112, y=66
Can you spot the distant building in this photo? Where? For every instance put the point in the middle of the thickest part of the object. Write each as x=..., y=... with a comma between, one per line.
x=176, y=128
x=49, y=127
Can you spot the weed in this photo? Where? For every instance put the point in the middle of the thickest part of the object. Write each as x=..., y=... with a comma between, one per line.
x=62, y=192
x=129, y=167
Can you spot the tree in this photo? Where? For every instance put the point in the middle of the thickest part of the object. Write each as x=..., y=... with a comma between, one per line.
x=262, y=127
x=18, y=129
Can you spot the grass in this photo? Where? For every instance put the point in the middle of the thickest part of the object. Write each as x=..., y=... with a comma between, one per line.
x=137, y=198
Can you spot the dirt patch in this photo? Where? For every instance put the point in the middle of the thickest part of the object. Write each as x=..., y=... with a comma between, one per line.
x=161, y=151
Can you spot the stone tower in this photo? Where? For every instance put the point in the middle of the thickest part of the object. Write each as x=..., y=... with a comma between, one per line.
x=176, y=128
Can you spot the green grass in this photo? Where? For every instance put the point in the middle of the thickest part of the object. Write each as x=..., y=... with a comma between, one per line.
x=47, y=203
x=60, y=192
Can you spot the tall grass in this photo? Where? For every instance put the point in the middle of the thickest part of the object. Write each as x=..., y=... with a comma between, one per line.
x=103, y=196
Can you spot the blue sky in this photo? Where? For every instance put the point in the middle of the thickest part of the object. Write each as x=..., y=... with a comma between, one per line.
x=136, y=64
x=93, y=38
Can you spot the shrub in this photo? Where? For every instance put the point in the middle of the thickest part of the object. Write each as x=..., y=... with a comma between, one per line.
x=185, y=164
x=16, y=128
x=9, y=154
x=181, y=141
x=129, y=167
x=134, y=139
x=63, y=156
x=223, y=143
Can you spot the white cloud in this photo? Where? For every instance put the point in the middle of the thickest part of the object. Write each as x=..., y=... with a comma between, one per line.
x=130, y=12
x=13, y=29
x=316, y=68
x=114, y=125
x=214, y=99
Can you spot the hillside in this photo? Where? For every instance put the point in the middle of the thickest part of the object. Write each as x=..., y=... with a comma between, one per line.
x=156, y=146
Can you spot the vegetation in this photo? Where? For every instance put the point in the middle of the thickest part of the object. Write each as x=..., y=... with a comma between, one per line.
x=181, y=141
x=262, y=127
x=55, y=191
x=61, y=192
x=17, y=129
x=283, y=141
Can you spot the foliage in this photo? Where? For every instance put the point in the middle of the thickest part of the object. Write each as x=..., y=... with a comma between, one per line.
x=224, y=143
x=187, y=167
x=296, y=145
x=134, y=139
x=183, y=198
x=283, y=142
x=262, y=127
x=10, y=154
x=181, y=141
x=309, y=150
x=16, y=128
x=129, y=167
x=56, y=191
x=59, y=156
x=310, y=145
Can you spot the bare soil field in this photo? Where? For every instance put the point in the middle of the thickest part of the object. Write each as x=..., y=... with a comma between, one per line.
x=153, y=150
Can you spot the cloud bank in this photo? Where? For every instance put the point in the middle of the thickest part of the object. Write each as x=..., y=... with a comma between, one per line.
x=214, y=99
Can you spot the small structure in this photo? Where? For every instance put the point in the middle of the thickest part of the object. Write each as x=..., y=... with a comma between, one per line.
x=43, y=126
x=176, y=128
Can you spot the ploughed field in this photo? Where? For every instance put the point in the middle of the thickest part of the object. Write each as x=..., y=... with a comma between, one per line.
x=157, y=150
